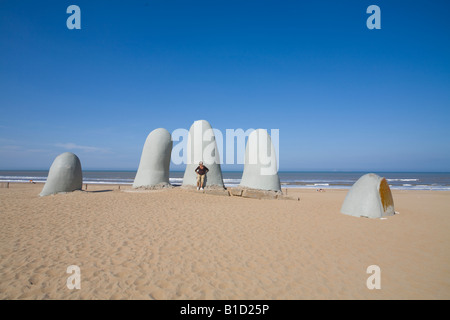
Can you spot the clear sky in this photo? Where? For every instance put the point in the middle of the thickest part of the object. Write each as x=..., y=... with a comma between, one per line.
x=343, y=97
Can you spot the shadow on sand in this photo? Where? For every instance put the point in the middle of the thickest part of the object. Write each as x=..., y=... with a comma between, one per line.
x=98, y=191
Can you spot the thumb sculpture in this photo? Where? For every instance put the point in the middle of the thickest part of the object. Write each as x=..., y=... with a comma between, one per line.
x=260, y=164
x=369, y=197
x=65, y=175
x=153, y=171
x=201, y=146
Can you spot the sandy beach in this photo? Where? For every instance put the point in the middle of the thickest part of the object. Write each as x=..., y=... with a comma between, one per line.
x=177, y=244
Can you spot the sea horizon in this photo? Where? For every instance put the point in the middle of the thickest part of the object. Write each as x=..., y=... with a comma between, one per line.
x=280, y=171
x=401, y=180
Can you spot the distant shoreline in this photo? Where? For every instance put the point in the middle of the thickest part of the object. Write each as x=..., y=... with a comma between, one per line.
x=240, y=171
x=283, y=187
x=290, y=180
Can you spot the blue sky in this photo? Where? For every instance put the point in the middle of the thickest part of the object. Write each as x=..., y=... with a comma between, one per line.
x=343, y=97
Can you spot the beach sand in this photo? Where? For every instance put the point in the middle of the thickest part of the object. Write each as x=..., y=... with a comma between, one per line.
x=176, y=244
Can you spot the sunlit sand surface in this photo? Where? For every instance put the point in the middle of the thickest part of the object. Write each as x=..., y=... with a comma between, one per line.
x=175, y=244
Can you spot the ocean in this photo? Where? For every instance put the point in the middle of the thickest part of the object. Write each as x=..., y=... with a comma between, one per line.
x=310, y=180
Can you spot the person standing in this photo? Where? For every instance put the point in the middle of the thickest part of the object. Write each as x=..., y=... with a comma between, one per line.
x=201, y=171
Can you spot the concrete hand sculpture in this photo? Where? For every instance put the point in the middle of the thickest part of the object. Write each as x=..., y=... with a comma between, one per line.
x=153, y=171
x=201, y=146
x=260, y=165
x=370, y=197
x=65, y=175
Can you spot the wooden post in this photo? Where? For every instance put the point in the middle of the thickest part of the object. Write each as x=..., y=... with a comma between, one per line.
x=86, y=186
x=7, y=185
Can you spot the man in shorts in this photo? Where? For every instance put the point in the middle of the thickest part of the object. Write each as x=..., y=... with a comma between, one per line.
x=201, y=171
